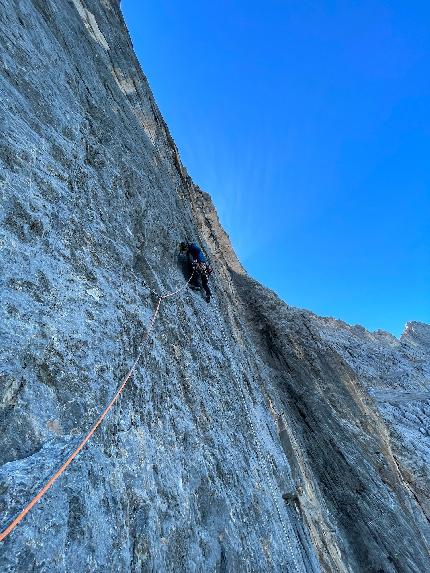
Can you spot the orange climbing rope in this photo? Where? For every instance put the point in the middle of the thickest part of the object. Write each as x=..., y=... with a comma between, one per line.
x=73, y=455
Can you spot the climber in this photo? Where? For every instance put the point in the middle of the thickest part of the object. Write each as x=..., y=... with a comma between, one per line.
x=199, y=266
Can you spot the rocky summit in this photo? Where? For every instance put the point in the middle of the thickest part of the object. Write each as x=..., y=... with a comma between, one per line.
x=252, y=436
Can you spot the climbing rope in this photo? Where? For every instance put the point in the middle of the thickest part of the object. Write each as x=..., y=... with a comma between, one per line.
x=88, y=436
x=73, y=455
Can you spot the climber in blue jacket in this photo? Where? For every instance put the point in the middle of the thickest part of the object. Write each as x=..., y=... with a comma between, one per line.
x=199, y=266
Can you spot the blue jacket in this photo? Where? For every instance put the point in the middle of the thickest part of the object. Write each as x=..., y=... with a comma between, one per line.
x=196, y=253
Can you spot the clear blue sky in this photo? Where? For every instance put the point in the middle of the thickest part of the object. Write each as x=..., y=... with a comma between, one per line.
x=309, y=124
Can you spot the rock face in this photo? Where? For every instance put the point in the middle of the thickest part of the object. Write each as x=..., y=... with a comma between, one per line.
x=253, y=436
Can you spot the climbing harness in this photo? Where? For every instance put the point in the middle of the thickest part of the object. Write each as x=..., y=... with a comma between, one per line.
x=60, y=471
x=73, y=455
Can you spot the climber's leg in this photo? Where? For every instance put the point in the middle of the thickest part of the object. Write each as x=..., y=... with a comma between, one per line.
x=205, y=284
x=196, y=280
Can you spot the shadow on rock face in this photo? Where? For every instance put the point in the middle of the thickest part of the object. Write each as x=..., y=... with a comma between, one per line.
x=339, y=433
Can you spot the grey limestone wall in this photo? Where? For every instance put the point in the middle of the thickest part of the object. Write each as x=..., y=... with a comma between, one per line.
x=248, y=438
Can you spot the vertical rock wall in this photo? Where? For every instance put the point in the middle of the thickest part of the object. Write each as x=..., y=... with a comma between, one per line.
x=249, y=438
x=353, y=416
